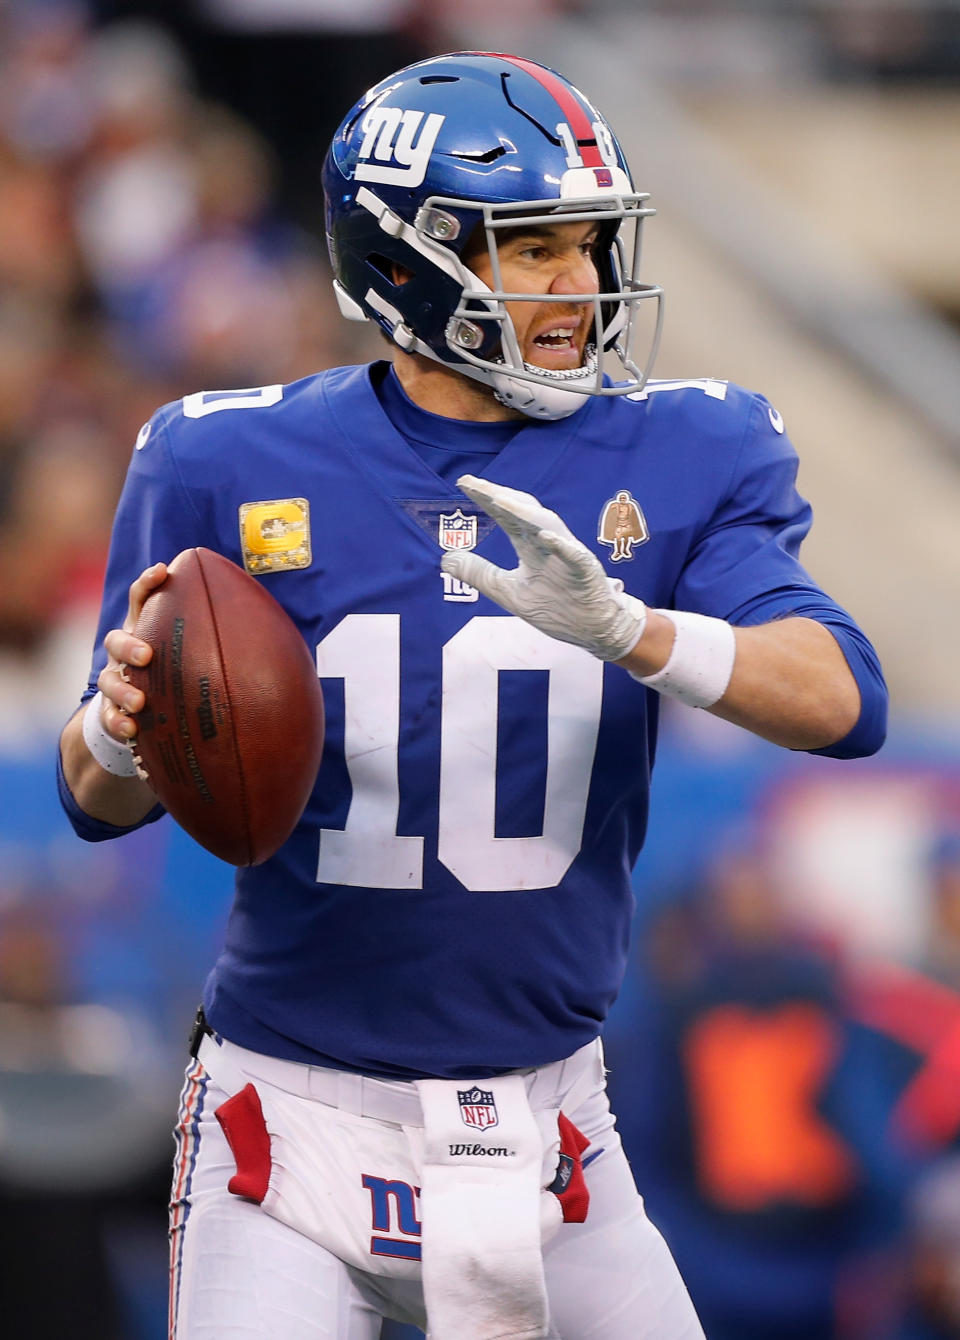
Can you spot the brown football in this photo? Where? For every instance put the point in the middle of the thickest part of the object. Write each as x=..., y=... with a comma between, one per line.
x=232, y=731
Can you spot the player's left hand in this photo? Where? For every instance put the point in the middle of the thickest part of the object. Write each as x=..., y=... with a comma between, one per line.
x=559, y=586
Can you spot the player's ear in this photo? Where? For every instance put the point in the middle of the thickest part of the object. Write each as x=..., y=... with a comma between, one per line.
x=399, y=274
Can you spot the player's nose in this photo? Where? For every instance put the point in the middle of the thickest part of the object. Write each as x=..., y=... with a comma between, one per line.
x=577, y=274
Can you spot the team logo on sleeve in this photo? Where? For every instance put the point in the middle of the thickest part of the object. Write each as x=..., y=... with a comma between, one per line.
x=275, y=536
x=477, y=1108
x=622, y=525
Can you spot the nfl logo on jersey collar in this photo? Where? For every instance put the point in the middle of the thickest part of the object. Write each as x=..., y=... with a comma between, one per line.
x=478, y=1108
x=457, y=531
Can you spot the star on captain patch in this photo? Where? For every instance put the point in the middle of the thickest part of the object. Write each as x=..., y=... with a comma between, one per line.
x=622, y=525
x=275, y=536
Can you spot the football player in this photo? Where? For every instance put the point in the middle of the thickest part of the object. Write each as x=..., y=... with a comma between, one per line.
x=395, y=1106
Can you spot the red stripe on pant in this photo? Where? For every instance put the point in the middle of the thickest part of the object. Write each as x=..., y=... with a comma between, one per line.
x=188, y=1138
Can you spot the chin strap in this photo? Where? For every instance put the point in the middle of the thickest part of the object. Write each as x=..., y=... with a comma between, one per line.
x=531, y=398
x=547, y=402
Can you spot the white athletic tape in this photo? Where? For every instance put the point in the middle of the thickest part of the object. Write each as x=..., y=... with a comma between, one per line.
x=701, y=660
x=113, y=756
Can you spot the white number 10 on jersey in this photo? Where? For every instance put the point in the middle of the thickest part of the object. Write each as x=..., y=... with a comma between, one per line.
x=364, y=651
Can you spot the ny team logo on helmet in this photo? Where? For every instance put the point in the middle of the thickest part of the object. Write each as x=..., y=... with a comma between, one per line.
x=395, y=148
x=463, y=147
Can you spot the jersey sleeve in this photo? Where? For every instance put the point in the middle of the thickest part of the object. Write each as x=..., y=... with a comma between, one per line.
x=156, y=517
x=745, y=567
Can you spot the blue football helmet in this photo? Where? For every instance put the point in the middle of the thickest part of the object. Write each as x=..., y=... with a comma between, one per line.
x=480, y=140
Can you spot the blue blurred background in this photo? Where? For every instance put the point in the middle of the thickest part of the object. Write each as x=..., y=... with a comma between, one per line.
x=785, y=1055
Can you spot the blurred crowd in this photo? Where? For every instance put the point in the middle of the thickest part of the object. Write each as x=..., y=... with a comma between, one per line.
x=142, y=256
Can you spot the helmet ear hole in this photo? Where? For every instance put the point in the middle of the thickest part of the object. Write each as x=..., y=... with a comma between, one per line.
x=393, y=271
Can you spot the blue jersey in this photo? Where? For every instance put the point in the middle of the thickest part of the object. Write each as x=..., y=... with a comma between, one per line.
x=456, y=900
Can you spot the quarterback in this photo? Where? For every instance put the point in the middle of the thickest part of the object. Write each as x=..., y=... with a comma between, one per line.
x=503, y=558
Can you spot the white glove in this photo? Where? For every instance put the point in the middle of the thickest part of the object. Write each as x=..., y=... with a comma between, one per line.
x=559, y=586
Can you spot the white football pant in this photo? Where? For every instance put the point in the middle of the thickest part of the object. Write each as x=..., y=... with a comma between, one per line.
x=239, y=1274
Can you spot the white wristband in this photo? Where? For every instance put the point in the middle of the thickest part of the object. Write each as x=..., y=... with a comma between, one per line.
x=701, y=660
x=112, y=756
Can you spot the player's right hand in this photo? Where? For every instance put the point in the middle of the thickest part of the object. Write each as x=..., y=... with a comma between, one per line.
x=121, y=701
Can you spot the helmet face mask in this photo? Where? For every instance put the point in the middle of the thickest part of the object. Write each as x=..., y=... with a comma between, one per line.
x=439, y=160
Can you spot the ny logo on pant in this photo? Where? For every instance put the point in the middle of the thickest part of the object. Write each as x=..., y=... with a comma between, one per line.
x=393, y=1206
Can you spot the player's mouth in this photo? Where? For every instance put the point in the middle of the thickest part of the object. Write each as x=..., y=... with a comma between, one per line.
x=559, y=345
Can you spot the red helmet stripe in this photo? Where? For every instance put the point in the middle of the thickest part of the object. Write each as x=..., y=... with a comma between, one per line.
x=573, y=113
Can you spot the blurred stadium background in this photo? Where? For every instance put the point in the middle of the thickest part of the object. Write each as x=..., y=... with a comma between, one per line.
x=786, y=1052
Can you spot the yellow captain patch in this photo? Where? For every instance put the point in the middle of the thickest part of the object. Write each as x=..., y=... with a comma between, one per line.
x=275, y=536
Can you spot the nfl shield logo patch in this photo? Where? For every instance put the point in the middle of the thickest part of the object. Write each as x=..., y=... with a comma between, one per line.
x=457, y=531
x=477, y=1108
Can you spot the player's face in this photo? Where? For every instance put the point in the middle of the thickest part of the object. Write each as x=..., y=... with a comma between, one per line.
x=550, y=258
